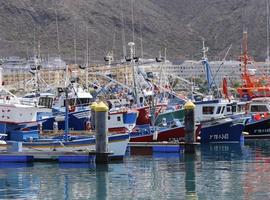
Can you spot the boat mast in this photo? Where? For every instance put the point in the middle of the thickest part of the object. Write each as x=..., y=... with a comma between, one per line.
x=87, y=59
x=36, y=83
x=141, y=39
x=244, y=58
x=267, y=31
x=207, y=67
x=123, y=31
x=66, y=106
x=75, y=43
x=132, y=55
x=132, y=23
x=66, y=115
x=57, y=33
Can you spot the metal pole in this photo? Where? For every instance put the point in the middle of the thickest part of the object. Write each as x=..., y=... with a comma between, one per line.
x=66, y=116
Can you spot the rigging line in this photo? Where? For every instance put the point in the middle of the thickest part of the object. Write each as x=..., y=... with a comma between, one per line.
x=260, y=69
x=223, y=60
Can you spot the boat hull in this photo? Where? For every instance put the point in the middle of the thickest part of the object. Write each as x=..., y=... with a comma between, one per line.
x=221, y=132
x=171, y=134
x=258, y=129
x=77, y=121
x=117, y=144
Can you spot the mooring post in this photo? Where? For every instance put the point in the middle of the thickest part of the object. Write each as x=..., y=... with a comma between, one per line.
x=190, y=137
x=101, y=130
x=93, y=107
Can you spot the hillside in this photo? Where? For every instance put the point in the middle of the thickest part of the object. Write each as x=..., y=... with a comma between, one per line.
x=178, y=25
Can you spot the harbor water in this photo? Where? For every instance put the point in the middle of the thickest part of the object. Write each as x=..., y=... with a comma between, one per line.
x=218, y=171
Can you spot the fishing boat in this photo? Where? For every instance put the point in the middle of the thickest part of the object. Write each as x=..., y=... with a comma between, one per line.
x=252, y=86
x=255, y=92
x=79, y=111
x=28, y=133
x=120, y=119
x=210, y=113
x=117, y=144
x=17, y=116
x=258, y=124
x=215, y=127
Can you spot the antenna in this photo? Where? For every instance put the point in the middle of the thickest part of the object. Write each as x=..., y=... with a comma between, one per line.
x=34, y=42
x=132, y=20
x=165, y=54
x=75, y=52
x=204, y=50
x=57, y=31
x=39, y=49
x=141, y=39
x=123, y=31
x=87, y=58
x=132, y=47
x=114, y=35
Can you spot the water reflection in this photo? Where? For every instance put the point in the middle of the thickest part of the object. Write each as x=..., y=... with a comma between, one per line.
x=102, y=182
x=217, y=171
x=221, y=152
x=190, y=178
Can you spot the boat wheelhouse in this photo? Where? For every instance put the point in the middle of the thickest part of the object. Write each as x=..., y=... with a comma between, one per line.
x=209, y=110
x=259, y=105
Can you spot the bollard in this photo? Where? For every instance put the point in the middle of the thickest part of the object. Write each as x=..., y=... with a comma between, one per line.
x=101, y=130
x=93, y=106
x=190, y=137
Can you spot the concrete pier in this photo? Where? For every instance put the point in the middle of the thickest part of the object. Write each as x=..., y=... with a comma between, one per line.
x=101, y=132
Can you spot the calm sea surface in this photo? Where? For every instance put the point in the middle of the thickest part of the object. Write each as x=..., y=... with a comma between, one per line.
x=215, y=172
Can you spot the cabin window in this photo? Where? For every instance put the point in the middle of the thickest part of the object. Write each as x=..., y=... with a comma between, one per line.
x=46, y=102
x=223, y=108
x=234, y=109
x=218, y=110
x=119, y=119
x=83, y=101
x=78, y=101
x=109, y=117
x=71, y=102
x=241, y=108
x=258, y=108
x=208, y=110
x=117, y=104
x=228, y=109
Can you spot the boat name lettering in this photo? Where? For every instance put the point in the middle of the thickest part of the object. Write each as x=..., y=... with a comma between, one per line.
x=224, y=136
x=262, y=130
